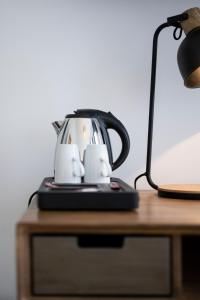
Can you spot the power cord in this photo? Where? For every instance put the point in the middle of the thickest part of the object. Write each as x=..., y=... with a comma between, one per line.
x=31, y=197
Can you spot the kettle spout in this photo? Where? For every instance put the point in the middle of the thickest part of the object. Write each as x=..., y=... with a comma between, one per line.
x=57, y=126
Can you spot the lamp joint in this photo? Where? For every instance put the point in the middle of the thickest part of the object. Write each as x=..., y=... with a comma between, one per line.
x=175, y=20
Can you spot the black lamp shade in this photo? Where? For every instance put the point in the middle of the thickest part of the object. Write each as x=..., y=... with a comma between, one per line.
x=189, y=59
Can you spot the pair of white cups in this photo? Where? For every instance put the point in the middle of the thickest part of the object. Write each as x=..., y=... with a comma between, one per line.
x=69, y=168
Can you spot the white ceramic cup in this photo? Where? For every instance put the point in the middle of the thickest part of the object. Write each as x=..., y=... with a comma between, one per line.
x=96, y=163
x=68, y=167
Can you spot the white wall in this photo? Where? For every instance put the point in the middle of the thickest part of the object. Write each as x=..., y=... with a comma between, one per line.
x=57, y=56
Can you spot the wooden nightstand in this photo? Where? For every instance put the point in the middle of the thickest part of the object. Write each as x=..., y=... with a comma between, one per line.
x=79, y=255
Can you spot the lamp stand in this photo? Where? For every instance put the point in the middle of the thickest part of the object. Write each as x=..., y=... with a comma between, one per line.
x=170, y=191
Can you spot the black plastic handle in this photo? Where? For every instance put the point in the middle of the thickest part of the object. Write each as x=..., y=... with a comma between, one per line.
x=111, y=122
x=100, y=241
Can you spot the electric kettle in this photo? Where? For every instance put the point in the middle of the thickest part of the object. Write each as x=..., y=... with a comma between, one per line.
x=90, y=126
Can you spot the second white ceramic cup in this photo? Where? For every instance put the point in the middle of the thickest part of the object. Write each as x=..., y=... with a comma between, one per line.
x=96, y=164
x=68, y=167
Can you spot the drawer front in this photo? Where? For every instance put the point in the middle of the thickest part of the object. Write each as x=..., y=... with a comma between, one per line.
x=101, y=265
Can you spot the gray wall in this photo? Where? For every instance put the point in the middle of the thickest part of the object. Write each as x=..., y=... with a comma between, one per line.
x=56, y=56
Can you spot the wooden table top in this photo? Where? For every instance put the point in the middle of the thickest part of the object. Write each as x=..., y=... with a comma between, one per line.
x=155, y=215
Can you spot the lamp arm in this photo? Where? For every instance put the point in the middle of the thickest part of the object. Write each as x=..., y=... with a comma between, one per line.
x=151, y=108
x=151, y=104
x=175, y=22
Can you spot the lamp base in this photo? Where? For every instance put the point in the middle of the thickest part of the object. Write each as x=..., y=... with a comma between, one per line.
x=180, y=191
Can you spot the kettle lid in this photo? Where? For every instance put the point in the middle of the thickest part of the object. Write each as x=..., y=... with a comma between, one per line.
x=85, y=113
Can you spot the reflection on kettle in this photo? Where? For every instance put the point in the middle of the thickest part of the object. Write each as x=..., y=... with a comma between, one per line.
x=89, y=126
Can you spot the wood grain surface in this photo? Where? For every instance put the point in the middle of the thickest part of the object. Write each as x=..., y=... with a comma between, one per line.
x=141, y=266
x=193, y=21
x=155, y=215
x=181, y=188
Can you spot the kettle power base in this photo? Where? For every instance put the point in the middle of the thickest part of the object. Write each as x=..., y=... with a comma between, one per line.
x=117, y=196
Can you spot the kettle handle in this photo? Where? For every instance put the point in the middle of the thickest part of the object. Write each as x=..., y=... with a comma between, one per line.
x=111, y=122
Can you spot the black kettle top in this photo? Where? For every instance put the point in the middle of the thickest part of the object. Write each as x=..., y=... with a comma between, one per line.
x=87, y=113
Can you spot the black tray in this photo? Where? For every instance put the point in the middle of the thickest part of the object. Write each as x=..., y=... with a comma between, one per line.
x=87, y=196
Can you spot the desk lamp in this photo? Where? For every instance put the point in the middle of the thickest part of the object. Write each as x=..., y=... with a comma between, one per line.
x=188, y=58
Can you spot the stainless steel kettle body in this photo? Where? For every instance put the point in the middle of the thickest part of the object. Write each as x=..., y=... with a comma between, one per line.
x=80, y=131
x=90, y=126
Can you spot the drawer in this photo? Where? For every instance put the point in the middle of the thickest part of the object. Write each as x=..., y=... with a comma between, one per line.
x=101, y=265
